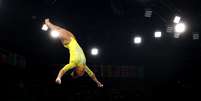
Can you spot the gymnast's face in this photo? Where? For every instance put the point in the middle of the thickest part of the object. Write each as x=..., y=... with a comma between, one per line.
x=80, y=71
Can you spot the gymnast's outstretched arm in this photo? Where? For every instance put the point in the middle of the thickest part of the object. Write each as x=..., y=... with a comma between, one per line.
x=93, y=76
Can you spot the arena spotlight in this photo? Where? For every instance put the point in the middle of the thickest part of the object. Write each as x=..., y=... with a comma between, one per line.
x=54, y=34
x=180, y=28
x=44, y=27
x=137, y=40
x=157, y=34
x=196, y=36
x=148, y=13
x=94, y=51
x=177, y=35
x=177, y=19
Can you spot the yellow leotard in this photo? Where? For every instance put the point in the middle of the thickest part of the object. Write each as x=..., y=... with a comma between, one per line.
x=77, y=56
x=76, y=53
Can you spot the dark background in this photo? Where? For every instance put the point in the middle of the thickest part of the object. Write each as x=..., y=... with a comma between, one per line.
x=163, y=68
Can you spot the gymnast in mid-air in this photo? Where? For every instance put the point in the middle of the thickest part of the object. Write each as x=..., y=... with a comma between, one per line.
x=77, y=61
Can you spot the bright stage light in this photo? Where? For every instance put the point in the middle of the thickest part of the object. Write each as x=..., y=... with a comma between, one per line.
x=54, y=34
x=196, y=36
x=137, y=40
x=180, y=28
x=177, y=19
x=94, y=51
x=148, y=13
x=44, y=27
x=158, y=34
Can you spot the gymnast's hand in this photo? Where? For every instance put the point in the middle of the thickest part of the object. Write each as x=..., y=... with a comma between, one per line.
x=99, y=84
x=58, y=80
